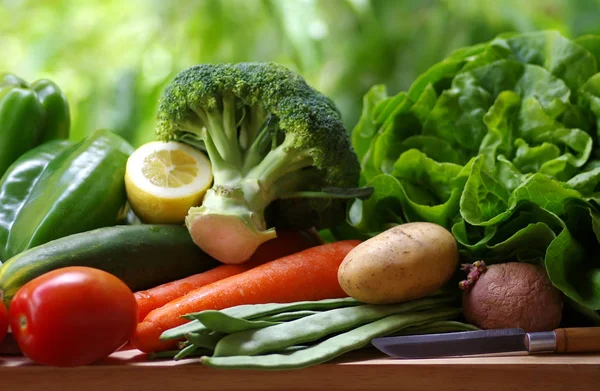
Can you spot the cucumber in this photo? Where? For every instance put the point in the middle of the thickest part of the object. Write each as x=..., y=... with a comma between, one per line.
x=142, y=256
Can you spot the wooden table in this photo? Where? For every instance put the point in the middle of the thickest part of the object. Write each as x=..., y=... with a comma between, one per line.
x=129, y=370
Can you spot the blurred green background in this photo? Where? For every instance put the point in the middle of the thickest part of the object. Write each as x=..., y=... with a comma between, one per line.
x=113, y=58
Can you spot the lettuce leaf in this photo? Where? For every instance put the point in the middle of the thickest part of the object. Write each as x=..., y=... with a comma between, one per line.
x=498, y=143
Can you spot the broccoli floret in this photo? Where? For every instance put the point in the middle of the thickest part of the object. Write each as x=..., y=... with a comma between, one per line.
x=280, y=154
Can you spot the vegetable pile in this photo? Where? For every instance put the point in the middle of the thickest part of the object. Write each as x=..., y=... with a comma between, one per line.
x=292, y=336
x=310, y=274
x=256, y=232
x=499, y=144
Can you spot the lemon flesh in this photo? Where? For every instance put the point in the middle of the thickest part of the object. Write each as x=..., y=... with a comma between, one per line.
x=164, y=180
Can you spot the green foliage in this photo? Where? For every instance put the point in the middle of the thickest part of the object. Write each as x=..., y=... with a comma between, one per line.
x=499, y=144
x=526, y=106
x=113, y=58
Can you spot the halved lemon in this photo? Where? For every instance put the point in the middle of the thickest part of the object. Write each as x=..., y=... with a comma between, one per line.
x=165, y=179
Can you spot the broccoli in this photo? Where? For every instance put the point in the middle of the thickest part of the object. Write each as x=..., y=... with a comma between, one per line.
x=280, y=154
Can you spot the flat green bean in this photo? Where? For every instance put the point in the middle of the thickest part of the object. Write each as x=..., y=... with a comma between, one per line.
x=334, y=346
x=253, y=311
x=183, y=344
x=198, y=352
x=207, y=341
x=249, y=311
x=442, y=326
x=186, y=352
x=221, y=322
x=193, y=326
x=287, y=316
x=274, y=338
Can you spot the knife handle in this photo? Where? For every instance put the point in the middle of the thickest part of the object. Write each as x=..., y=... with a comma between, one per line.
x=577, y=340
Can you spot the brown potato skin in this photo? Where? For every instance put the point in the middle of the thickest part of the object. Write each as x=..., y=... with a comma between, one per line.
x=405, y=262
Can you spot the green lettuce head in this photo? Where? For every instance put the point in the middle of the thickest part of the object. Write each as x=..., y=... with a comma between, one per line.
x=498, y=143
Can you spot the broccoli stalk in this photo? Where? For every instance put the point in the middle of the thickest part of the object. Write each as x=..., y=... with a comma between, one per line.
x=273, y=142
x=231, y=217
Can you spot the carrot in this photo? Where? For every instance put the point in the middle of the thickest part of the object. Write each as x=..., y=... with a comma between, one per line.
x=310, y=274
x=286, y=243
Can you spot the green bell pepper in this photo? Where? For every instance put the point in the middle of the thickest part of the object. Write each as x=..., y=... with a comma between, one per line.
x=60, y=188
x=30, y=114
x=19, y=180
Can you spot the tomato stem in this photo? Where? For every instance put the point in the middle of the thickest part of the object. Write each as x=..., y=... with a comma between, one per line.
x=23, y=322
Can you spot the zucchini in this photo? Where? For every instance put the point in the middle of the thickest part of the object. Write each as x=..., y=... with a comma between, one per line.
x=142, y=256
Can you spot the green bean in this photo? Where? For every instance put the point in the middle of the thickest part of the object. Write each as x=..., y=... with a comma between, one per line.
x=178, y=332
x=252, y=311
x=183, y=344
x=334, y=346
x=252, y=342
x=287, y=316
x=294, y=348
x=207, y=341
x=442, y=326
x=197, y=352
x=249, y=311
x=185, y=352
x=223, y=323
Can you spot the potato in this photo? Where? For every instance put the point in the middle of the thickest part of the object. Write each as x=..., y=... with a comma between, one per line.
x=405, y=262
x=513, y=294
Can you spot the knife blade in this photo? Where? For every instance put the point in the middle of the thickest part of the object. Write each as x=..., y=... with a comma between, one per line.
x=480, y=342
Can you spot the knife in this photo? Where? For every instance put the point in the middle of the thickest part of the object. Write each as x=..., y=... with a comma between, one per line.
x=465, y=343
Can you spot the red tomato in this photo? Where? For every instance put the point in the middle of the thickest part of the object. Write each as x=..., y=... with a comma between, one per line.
x=3, y=321
x=72, y=316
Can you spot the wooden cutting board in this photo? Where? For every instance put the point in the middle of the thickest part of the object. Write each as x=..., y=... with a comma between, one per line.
x=130, y=370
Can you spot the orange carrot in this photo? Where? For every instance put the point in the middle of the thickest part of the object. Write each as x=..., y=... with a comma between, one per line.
x=286, y=243
x=310, y=274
